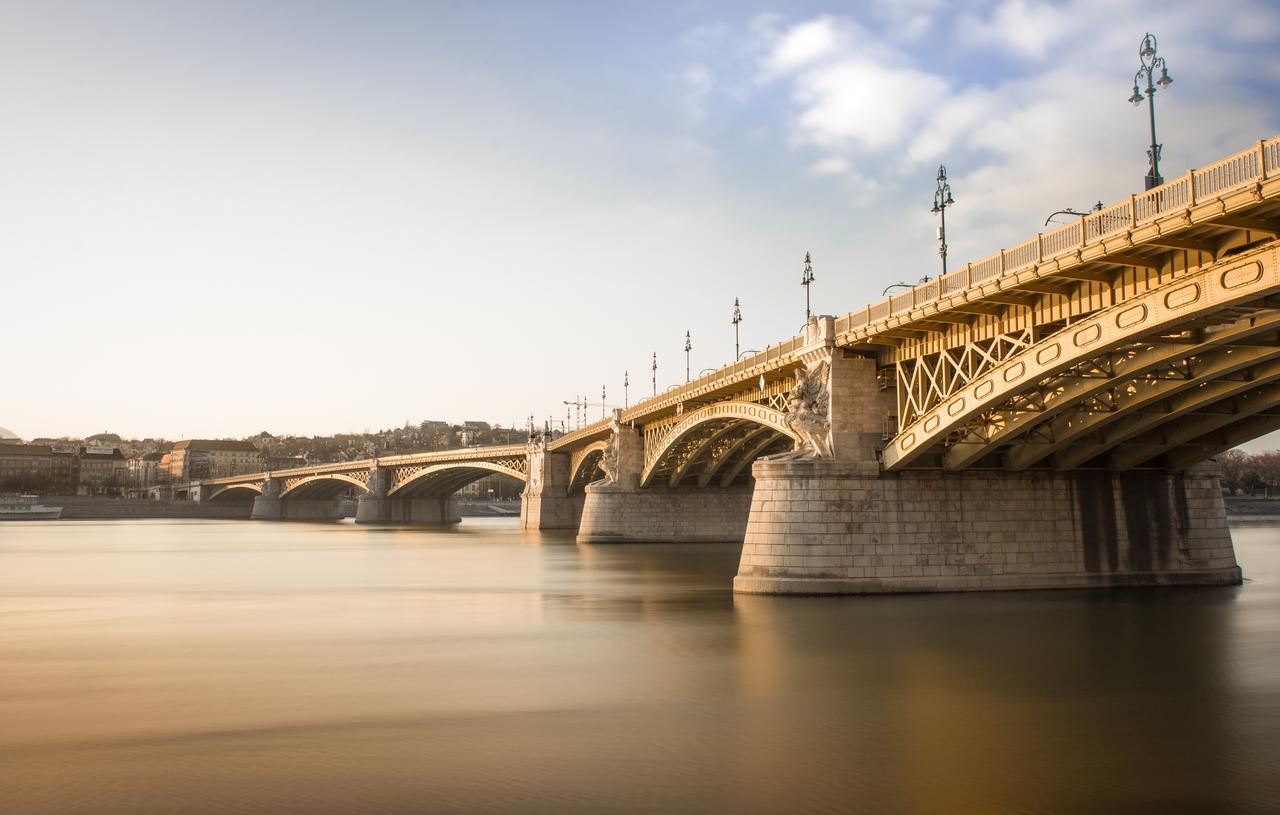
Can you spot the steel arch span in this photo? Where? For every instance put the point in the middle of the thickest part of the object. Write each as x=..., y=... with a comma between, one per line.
x=722, y=438
x=448, y=478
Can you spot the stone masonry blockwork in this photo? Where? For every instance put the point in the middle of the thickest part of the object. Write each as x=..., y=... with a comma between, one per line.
x=659, y=514
x=824, y=527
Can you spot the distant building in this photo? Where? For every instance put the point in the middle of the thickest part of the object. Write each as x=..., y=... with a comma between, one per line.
x=193, y=459
x=472, y=425
x=25, y=467
x=284, y=462
x=103, y=469
x=64, y=476
x=144, y=470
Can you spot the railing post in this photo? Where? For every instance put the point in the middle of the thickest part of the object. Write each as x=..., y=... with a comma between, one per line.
x=1262, y=159
x=968, y=275
x=1133, y=211
x=1084, y=229
x=1039, y=247
x=1002, y=263
x=1191, y=188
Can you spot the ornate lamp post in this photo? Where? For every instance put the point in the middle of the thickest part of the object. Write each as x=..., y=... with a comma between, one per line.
x=737, y=319
x=806, y=280
x=654, y=369
x=626, y=389
x=688, y=346
x=602, y=409
x=1150, y=62
x=941, y=200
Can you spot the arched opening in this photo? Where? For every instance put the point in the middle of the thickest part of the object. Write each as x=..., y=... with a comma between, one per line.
x=716, y=445
x=585, y=467
x=327, y=496
x=444, y=480
x=236, y=494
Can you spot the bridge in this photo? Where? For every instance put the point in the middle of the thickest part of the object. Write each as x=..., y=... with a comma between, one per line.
x=1037, y=418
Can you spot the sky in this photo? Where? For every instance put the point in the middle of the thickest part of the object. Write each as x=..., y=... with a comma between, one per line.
x=226, y=217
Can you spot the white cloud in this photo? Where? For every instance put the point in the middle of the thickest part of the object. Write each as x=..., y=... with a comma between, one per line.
x=906, y=20
x=861, y=103
x=852, y=89
x=805, y=43
x=831, y=166
x=1025, y=28
x=697, y=83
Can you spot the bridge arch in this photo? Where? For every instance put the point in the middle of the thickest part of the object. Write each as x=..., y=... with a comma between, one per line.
x=321, y=485
x=1158, y=345
x=446, y=479
x=720, y=439
x=235, y=492
x=584, y=466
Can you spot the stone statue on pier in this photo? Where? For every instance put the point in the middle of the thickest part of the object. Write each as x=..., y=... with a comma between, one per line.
x=377, y=485
x=807, y=413
x=271, y=487
x=612, y=450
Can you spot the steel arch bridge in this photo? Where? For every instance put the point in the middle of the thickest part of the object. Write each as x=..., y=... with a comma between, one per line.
x=1144, y=335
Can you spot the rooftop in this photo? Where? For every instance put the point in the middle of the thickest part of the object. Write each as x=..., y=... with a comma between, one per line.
x=215, y=445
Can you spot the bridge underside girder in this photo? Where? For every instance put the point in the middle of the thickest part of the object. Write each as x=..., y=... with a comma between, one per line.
x=322, y=488
x=446, y=481
x=1199, y=342
x=1136, y=407
x=718, y=451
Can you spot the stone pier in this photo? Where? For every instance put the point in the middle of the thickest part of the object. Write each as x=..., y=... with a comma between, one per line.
x=431, y=509
x=546, y=502
x=269, y=506
x=821, y=527
x=618, y=510
x=662, y=515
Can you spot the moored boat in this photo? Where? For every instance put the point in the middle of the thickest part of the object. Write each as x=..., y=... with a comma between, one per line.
x=26, y=508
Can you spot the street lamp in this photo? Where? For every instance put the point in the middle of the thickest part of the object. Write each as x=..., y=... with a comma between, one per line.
x=806, y=280
x=688, y=346
x=626, y=389
x=602, y=402
x=941, y=200
x=654, y=369
x=1150, y=62
x=737, y=318
x=1069, y=211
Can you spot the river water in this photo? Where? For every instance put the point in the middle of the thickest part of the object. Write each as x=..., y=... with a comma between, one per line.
x=230, y=667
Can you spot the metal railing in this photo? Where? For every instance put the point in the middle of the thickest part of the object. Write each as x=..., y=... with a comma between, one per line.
x=1248, y=166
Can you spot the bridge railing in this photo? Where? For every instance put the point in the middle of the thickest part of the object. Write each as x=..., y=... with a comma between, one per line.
x=1248, y=166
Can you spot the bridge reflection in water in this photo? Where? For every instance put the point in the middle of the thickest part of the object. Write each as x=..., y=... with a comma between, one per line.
x=1036, y=419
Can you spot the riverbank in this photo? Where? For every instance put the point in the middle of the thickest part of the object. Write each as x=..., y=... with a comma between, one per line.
x=96, y=507
x=1248, y=509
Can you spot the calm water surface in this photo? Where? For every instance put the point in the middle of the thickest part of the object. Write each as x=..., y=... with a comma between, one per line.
x=233, y=667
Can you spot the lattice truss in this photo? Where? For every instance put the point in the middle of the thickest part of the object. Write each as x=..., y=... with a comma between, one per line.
x=586, y=469
x=926, y=380
x=447, y=477
x=774, y=395
x=720, y=449
x=1168, y=397
x=346, y=477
